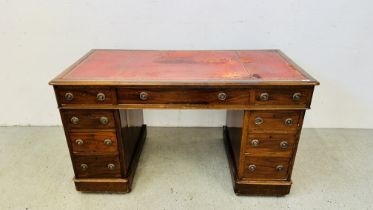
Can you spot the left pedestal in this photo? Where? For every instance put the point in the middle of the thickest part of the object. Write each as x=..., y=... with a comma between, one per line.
x=105, y=147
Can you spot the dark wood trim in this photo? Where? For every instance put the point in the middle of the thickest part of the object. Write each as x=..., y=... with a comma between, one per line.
x=121, y=148
x=292, y=161
x=184, y=106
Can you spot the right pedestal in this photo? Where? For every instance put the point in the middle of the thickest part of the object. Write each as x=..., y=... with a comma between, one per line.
x=261, y=147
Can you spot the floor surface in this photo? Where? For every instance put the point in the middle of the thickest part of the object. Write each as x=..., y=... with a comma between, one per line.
x=186, y=168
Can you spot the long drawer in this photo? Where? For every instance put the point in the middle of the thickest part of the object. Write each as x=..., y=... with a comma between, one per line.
x=221, y=96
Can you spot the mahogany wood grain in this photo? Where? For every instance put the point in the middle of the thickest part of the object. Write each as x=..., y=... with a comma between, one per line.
x=270, y=144
x=88, y=118
x=184, y=80
x=85, y=95
x=183, y=96
x=131, y=127
x=234, y=129
x=256, y=187
x=283, y=96
x=112, y=185
x=274, y=121
x=97, y=166
x=93, y=143
x=266, y=168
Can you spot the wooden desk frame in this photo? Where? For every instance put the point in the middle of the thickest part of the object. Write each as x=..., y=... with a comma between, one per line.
x=254, y=130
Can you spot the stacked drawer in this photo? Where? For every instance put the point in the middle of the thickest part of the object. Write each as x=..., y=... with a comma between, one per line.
x=91, y=133
x=272, y=134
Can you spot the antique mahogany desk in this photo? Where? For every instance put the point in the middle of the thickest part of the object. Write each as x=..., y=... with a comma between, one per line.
x=102, y=95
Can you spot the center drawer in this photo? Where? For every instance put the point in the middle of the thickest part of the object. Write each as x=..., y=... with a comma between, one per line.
x=183, y=96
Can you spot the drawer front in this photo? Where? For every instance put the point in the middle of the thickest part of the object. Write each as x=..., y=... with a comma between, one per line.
x=266, y=168
x=83, y=95
x=283, y=96
x=100, y=142
x=270, y=144
x=275, y=121
x=88, y=119
x=183, y=96
x=97, y=166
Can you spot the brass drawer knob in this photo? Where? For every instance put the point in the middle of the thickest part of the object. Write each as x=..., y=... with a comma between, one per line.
x=79, y=141
x=279, y=168
x=84, y=166
x=222, y=96
x=251, y=168
x=259, y=120
x=100, y=97
x=284, y=145
x=255, y=142
x=144, y=96
x=108, y=142
x=104, y=120
x=69, y=96
x=264, y=96
x=288, y=121
x=297, y=96
x=74, y=120
x=111, y=166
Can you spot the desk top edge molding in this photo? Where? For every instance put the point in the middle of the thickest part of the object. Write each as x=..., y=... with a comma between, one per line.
x=310, y=81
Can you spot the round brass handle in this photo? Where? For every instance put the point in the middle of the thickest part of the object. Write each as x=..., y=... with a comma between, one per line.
x=288, y=121
x=264, y=96
x=297, y=96
x=79, y=141
x=279, y=168
x=74, y=120
x=84, y=166
x=100, y=97
x=259, y=120
x=222, y=96
x=104, y=120
x=255, y=142
x=144, y=96
x=69, y=96
x=108, y=142
x=284, y=145
x=252, y=168
x=111, y=166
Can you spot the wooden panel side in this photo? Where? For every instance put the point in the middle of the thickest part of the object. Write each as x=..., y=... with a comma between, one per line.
x=234, y=123
x=131, y=126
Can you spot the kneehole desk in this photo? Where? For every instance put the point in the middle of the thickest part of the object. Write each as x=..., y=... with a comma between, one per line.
x=102, y=95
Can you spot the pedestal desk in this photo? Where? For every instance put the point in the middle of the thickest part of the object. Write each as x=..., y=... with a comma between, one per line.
x=102, y=95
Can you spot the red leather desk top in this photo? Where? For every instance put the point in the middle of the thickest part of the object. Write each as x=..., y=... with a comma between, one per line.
x=131, y=66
